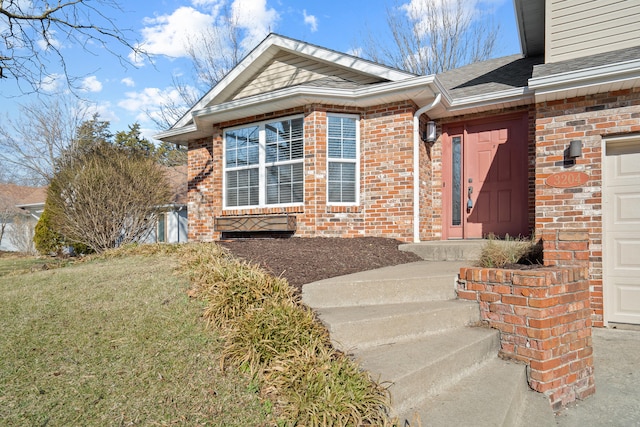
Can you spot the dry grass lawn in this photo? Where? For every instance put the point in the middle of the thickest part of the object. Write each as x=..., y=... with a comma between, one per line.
x=113, y=342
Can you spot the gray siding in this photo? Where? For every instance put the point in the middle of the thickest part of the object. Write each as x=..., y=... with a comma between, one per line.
x=577, y=28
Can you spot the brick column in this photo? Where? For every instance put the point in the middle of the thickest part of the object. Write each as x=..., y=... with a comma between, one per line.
x=543, y=317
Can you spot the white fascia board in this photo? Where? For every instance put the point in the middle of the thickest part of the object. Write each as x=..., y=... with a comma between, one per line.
x=302, y=48
x=180, y=135
x=300, y=95
x=544, y=86
x=520, y=95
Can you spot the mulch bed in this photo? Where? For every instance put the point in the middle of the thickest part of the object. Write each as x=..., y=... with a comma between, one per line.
x=305, y=260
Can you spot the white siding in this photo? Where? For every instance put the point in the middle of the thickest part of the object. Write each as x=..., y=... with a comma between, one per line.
x=287, y=69
x=577, y=28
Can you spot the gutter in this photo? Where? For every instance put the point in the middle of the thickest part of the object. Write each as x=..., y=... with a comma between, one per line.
x=416, y=165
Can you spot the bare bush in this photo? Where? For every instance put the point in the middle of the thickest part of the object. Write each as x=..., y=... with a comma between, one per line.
x=106, y=197
x=22, y=233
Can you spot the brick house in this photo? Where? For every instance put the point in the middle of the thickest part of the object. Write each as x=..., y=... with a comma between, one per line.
x=308, y=141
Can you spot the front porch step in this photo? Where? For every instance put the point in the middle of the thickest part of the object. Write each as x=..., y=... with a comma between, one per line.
x=426, y=366
x=357, y=328
x=405, y=327
x=495, y=394
x=446, y=250
x=412, y=282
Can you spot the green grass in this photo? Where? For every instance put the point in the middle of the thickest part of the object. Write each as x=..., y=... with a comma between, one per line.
x=112, y=342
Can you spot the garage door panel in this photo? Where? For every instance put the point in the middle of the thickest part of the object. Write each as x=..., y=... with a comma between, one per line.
x=624, y=254
x=621, y=229
x=626, y=206
x=626, y=300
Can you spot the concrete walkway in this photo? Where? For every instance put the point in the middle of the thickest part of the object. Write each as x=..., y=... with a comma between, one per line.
x=617, y=372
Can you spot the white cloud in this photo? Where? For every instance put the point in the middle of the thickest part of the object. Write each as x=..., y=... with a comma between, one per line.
x=128, y=81
x=149, y=101
x=417, y=10
x=91, y=84
x=254, y=17
x=52, y=83
x=167, y=34
x=105, y=110
x=311, y=21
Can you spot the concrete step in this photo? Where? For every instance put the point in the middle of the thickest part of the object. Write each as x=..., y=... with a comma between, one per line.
x=426, y=366
x=367, y=326
x=492, y=395
x=412, y=282
x=446, y=250
x=536, y=411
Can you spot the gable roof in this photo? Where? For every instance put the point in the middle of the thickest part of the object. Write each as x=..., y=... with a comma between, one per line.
x=283, y=73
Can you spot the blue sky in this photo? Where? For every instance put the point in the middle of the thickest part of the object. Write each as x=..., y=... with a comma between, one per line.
x=123, y=94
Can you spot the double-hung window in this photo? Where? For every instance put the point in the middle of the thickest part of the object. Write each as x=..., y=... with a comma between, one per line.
x=343, y=159
x=264, y=164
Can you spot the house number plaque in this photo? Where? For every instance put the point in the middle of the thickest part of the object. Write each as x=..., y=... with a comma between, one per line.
x=567, y=179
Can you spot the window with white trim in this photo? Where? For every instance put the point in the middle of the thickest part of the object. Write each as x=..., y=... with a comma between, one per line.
x=264, y=164
x=343, y=175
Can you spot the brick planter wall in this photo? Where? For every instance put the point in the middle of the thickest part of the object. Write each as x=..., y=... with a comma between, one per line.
x=543, y=316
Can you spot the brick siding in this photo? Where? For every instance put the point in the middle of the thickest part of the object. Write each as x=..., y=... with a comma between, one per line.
x=589, y=119
x=386, y=177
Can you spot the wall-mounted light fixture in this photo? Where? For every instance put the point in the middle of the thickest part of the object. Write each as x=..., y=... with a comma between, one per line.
x=429, y=135
x=575, y=149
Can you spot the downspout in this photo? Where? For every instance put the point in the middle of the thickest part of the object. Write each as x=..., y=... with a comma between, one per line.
x=416, y=166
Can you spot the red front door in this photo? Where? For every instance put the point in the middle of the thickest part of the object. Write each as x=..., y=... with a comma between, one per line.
x=485, y=171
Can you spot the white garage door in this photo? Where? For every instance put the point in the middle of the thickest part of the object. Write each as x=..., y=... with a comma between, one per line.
x=621, y=227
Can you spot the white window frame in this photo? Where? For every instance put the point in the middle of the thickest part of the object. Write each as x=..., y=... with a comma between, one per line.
x=262, y=164
x=355, y=161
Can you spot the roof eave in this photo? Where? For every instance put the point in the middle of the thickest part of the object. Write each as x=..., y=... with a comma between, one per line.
x=586, y=81
x=485, y=102
x=420, y=90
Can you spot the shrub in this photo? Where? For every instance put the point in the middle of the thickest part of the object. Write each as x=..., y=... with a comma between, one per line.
x=46, y=239
x=499, y=253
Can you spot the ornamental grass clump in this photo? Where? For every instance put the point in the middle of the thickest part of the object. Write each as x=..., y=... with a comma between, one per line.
x=267, y=333
x=498, y=253
x=272, y=336
x=323, y=387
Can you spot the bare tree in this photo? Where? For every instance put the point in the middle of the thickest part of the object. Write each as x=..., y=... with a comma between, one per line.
x=213, y=54
x=44, y=130
x=8, y=211
x=106, y=197
x=33, y=33
x=22, y=234
x=433, y=36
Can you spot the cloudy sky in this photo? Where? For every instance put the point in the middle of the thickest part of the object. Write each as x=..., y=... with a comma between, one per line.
x=126, y=94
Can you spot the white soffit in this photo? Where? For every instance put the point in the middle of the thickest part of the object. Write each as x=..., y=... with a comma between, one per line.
x=587, y=81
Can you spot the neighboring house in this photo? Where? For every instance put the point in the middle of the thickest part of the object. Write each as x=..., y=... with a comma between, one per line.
x=171, y=225
x=26, y=204
x=20, y=208
x=304, y=140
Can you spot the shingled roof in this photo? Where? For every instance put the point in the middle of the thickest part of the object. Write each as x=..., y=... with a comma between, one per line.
x=493, y=75
x=585, y=62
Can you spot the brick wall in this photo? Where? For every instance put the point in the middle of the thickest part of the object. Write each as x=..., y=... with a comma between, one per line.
x=589, y=119
x=543, y=316
x=386, y=177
